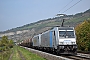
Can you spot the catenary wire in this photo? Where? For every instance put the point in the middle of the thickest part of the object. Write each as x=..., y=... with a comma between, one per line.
x=72, y=6
x=65, y=6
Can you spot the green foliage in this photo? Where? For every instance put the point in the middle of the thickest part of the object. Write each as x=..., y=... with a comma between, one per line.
x=4, y=40
x=5, y=43
x=83, y=35
x=5, y=55
x=10, y=43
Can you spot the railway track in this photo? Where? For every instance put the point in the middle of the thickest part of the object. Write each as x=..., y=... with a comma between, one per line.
x=83, y=55
x=51, y=56
x=79, y=56
x=76, y=58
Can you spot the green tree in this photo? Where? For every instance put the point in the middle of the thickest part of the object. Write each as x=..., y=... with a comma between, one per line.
x=0, y=43
x=4, y=40
x=5, y=43
x=83, y=35
x=10, y=43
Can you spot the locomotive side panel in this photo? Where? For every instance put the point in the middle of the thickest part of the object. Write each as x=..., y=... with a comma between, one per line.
x=46, y=39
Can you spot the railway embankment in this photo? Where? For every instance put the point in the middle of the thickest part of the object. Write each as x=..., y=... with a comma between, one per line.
x=50, y=56
x=45, y=55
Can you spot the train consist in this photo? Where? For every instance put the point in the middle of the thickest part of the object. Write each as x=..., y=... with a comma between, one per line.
x=60, y=40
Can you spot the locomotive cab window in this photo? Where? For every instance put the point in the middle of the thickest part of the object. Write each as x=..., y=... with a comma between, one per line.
x=66, y=34
x=70, y=34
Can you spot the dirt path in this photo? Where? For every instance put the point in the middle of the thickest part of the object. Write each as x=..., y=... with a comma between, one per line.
x=14, y=54
x=21, y=55
x=11, y=56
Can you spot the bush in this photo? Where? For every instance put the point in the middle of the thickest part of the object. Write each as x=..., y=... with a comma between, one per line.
x=5, y=43
x=83, y=35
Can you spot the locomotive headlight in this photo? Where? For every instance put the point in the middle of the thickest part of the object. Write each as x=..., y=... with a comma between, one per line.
x=61, y=47
x=61, y=43
x=74, y=46
x=73, y=42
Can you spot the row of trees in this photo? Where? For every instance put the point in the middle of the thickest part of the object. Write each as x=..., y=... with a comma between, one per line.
x=83, y=35
x=5, y=43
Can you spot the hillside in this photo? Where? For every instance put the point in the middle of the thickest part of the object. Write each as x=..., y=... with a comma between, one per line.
x=28, y=30
x=79, y=17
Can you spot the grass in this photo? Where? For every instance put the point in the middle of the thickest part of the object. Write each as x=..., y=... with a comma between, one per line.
x=16, y=55
x=30, y=56
x=5, y=54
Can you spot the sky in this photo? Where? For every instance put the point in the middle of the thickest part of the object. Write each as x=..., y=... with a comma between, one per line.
x=16, y=13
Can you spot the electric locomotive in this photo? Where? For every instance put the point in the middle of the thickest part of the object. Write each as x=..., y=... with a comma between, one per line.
x=61, y=40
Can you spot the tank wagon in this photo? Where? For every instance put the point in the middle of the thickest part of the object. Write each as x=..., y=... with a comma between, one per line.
x=60, y=40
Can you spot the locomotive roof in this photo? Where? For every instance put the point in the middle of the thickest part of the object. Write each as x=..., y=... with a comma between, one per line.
x=65, y=28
